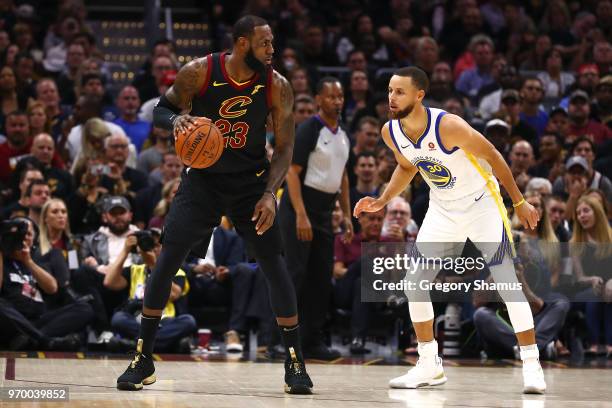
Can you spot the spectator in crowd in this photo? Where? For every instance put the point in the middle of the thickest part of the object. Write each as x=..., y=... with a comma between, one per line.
x=300, y=82
x=458, y=35
x=121, y=179
x=17, y=143
x=37, y=118
x=497, y=132
x=60, y=181
x=151, y=157
x=357, y=61
x=175, y=329
x=576, y=181
x=347, y=277
x=337, y=219
x=601, y=109
x=86, y=107
x=592, y=256
x=581, y=123
x=55, y=229
x=223, y=279
x=386, y=165
x=584, y=147
x=47, y=93
x=427, y=54
x=555, y=81
x=586, y=80
x=532, y=94
x=10, y=99
x=28, y=321
x=315, y=177
x=521, y=160
x=314, y=48
x=24, y=71
x=556, y=207
x=550, y=162
x=149, y=88
x=55, y=55
x=95, y=131
x=366, y=137
x=510, y=112
x=147, y=198
x=602, y=54
x=358, y=95
x=498, y=65
x=558, y=122
x=539, y=185
x=36, y=196
x=399, y=225
x=441, y=86
x=163, y=205
x=20, y=207
x=367, y=180
x=128, y=104
x=473, y=79
x=66, y=80
x=303, y=108
x=490, y=96
x=146, y=110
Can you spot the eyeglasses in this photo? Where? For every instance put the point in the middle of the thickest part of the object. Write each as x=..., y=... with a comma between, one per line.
x=534, y=88
x=118, y=146
x=398, y=212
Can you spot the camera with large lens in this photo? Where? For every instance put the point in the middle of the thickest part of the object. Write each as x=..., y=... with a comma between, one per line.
x=12, y=234
x=145, y=241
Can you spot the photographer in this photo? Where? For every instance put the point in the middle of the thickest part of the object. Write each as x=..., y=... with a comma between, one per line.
x=175, y=330
x=26, y=318
x=84, y=214
x=100, y=249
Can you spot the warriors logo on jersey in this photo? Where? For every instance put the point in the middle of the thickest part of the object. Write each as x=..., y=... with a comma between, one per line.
x=435, y=172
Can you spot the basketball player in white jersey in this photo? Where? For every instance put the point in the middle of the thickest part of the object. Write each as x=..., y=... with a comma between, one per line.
x=458, y=163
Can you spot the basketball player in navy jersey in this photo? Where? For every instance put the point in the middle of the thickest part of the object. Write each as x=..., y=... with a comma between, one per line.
x=460, y=166
x=236, y=91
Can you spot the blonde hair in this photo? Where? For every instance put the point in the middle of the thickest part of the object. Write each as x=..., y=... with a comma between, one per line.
x=162, y=207
x=547, y=239
x=39, y=105
x=601, y=232
x=43, y=237
x=93, y=129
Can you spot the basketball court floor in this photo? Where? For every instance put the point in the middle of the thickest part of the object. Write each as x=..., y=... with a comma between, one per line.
x=203, y=381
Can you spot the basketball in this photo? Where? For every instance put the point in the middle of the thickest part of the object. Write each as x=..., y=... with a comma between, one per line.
x=200, y=147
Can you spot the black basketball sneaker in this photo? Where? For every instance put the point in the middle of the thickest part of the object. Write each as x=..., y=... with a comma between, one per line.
x=297, y=380
x=141, y=371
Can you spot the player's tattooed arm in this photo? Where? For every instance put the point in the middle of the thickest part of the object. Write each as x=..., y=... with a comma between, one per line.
x=284, y=136
x=187, y=84
x=284, y=130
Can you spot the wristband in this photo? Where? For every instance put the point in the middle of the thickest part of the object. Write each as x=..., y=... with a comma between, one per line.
x=519, y=203
x=271, y=193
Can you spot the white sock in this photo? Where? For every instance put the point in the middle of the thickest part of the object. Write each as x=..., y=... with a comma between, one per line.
x=530, y=353
x=428, y=349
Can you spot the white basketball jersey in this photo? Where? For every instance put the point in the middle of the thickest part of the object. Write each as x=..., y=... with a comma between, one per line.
x=451, y=175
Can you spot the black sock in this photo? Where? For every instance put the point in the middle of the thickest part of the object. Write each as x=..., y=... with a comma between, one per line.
x=148, y=330
x=291, y=341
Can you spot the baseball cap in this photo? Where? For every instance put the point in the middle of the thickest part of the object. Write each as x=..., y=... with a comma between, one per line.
x=510, y=94
x=577, y=161
x=579, y=94
x=496, y=123
x=116, y=202
x=588, y=68
x=607, y=80
x=558, y=109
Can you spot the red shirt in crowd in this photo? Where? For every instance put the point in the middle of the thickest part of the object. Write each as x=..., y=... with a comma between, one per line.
x=10, y=156
x=594, y=130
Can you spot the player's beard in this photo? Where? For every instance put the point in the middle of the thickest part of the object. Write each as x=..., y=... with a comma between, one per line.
x=401, y=114
x=253, y=63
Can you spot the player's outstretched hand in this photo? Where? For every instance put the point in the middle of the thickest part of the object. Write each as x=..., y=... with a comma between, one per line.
x=185, y=122
x=528, y=215
x=367, y=204
x=265, y=211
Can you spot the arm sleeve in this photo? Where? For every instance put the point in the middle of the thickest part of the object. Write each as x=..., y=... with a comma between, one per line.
x=305, y=141
x=165, y=113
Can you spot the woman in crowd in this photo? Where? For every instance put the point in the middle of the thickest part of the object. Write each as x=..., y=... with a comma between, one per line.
x=10, y=100
x=94, y=133
x=592, y=259
x=37, y=117
x=159, y=213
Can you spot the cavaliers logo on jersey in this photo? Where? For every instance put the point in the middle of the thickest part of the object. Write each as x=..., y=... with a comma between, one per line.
x=437, y=173
x=230, y=108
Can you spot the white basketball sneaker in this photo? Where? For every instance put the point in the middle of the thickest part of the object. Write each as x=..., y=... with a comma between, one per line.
x=533, y=376
x=428, y=370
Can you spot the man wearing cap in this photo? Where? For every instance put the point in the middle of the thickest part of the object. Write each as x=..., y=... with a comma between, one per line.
x=498, y=133
x=576, y=181
x=558, y=122
x=601, y=109
x=99, y=250
x=128, y=103
x=511, y=109
x=146, y=110
x=532, y=94
x=580, y=122
x=491, y=101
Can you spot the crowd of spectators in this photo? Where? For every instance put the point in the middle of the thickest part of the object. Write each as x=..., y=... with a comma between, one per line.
x=87, y=179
